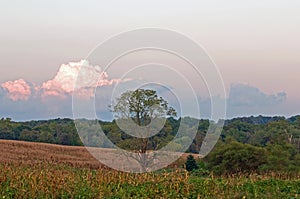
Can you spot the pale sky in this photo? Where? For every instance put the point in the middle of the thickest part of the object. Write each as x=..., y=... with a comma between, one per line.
x=254, y=43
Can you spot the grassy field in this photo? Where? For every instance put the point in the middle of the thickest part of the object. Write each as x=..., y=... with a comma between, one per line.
x=35, y=170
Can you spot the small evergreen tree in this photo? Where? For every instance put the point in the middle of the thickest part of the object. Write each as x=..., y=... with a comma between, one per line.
x=191, y=163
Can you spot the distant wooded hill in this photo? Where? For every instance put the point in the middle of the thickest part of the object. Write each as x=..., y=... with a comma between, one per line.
x=257, y=131
x=246, y=144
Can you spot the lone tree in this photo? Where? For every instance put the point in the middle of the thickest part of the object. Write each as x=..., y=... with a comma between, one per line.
x=141, y=106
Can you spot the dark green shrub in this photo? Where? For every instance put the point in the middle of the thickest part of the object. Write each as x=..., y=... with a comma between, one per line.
x=191, y=163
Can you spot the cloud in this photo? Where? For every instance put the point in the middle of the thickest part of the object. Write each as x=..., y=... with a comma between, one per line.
x=247, y=100
x=22, y=100
x=64, y=83
x=79, y=77
x=17, y=90
x=245, y=95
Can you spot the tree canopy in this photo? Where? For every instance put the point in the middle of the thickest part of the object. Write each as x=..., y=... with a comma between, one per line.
x=142, y=105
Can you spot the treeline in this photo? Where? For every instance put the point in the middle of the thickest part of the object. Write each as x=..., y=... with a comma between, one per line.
x=245, y=145
x=257, y=144
x=57, y=131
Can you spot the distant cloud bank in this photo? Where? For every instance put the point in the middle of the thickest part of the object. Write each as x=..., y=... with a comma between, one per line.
x=22, y=100
x=245, y=100
x=53, y=98
x=244, y=95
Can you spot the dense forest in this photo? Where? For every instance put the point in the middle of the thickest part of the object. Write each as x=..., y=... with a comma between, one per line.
x=246, y=144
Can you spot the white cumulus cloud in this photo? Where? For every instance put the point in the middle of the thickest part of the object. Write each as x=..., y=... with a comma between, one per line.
x=80, y=77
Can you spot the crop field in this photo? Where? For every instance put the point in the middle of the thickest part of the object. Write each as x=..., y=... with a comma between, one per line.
x=35, y=170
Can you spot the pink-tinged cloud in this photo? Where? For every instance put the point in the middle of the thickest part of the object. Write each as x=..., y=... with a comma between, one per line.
x=17, y=90
x=66, y=81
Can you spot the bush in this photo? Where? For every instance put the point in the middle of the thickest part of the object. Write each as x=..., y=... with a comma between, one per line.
x=191, y=163
x=236, y=157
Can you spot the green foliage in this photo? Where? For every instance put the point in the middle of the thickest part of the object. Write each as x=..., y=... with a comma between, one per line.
x=58, y=131
x=191, y=163
x=244, y=186
x=202, y=170
x=234, y=157
x=142, y=105
x=281, y=158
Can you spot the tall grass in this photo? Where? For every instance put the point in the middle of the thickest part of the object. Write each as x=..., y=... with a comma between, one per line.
x=62, y=181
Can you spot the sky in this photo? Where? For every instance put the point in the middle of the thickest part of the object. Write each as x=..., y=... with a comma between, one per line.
x=255, y=44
